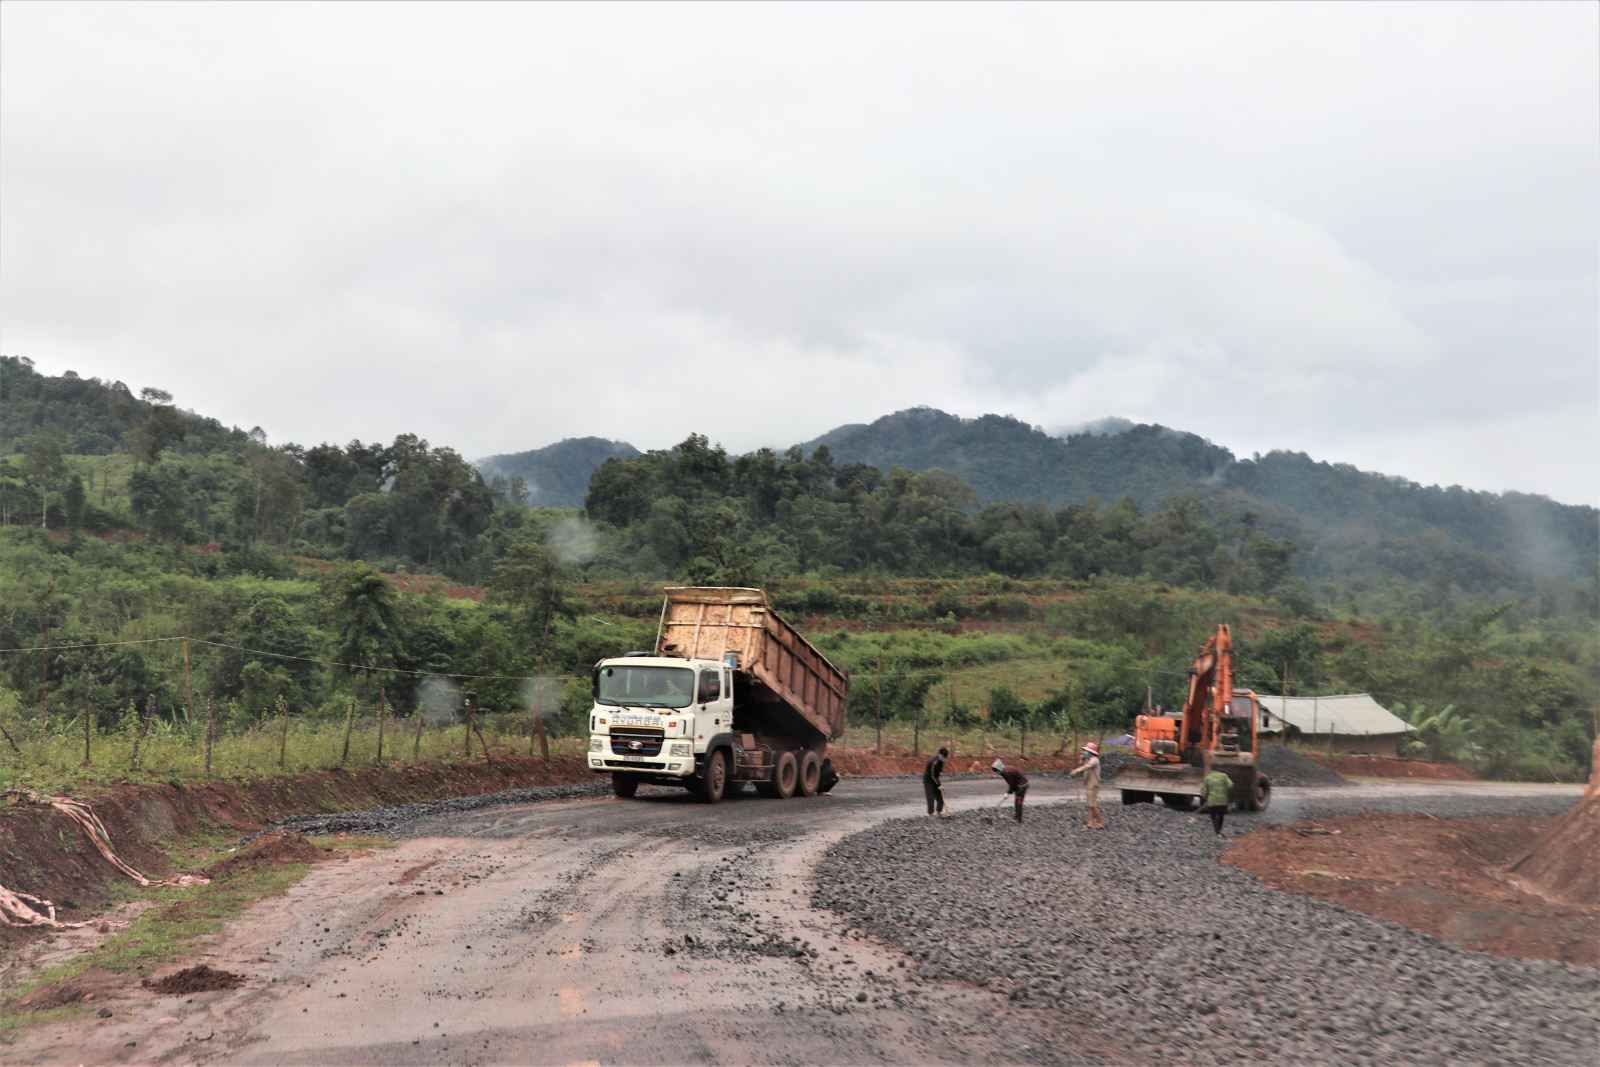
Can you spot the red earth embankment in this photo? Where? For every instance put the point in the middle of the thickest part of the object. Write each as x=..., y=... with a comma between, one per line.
x=1449, y=878
x=45, y=853
x=1390, y=767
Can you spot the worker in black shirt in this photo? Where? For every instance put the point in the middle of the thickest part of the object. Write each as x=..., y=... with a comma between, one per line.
x=933, y=784
x=1016, y=783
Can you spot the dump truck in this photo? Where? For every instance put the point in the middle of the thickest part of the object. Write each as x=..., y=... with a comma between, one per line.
x=1215, y=729
x=730, y=694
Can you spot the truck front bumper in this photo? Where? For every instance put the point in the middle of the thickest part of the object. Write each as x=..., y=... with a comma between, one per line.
x=675, y=760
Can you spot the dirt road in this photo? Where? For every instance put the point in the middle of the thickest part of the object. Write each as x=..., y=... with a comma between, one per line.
x=583, y=931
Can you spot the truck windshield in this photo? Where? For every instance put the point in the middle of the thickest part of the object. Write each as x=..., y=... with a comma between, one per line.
x=644, y=687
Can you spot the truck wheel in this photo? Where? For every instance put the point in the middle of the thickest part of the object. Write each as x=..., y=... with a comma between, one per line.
x=1180, y=801
x=716, y=782
x=1260, y=795
x=810, y=773
x=783, y=777
x=624, y=785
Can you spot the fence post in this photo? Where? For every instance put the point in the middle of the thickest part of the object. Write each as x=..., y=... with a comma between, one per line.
x=878, y=713
x=9, y=739
x=283, y=735
x=211, y=729
x=349, y=721
x=44, y=669
x=416, y=740
x=188, y=693
x=88, y=720
x=144, y=725
x=383, y=707
x=472, y=728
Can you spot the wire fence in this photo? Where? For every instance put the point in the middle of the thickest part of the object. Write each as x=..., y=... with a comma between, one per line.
x=198, y=736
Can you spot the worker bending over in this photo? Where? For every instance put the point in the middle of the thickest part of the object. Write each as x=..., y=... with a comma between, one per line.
x=1016, y=783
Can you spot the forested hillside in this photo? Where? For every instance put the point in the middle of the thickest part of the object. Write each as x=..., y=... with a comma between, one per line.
x=1353, y=529
x=1351, y=526
x=151, y=557
x=1005, y=459
x=556, y=476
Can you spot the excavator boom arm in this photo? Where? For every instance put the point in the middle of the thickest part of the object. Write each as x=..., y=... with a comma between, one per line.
x=1210, y=694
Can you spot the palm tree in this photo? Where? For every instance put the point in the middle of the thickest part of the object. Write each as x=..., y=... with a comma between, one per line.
x=366, y=619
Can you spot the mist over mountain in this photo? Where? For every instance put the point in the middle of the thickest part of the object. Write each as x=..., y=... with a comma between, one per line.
x=1335, y=512
x=556, y=476
x=1345, y=521
x=1006, y=459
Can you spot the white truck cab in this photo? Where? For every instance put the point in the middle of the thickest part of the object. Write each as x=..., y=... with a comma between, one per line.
x=654, y=715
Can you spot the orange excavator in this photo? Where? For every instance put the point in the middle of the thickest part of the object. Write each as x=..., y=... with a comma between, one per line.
x=1215, y=731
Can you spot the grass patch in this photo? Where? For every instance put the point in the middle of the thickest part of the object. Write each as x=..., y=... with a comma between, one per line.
x=181, y=917
x=351, y=842
x=12, y=1021
x=174, y=753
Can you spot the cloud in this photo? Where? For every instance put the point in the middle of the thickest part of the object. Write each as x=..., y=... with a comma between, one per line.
x=1316, y=228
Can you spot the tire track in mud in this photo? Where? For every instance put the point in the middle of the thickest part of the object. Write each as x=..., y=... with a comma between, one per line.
x=645, y=931
x=587, y=930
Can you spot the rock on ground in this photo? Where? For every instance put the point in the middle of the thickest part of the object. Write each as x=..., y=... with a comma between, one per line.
x=1137, y=932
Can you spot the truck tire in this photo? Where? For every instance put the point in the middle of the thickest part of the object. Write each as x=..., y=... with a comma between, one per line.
x=624, y=785
x=1260, y=794
x=716, y=779
x=784, y=776
x=810, y=773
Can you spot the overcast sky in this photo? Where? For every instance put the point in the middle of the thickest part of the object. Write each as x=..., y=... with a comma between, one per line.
x=1367, y=232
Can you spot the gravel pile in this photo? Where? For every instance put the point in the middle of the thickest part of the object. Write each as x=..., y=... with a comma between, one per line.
x=407, y=820
x=1285, y=766
x=1139, y=932
x=1112, y=762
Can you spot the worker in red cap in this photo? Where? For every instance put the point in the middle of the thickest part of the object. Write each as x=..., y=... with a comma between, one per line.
x=1016, y=783
x=1090, y=769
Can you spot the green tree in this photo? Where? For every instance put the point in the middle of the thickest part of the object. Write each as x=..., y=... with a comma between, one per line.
x=366, y=620
x=530, y=578
x=159, y=430
x=43, y=467
x=1008, y=709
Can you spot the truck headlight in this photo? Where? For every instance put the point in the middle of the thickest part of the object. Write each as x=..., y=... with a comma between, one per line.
x=596, y=745
x=681, y=748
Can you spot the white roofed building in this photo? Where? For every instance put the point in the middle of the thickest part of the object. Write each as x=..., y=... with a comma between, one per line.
x=1351, y=722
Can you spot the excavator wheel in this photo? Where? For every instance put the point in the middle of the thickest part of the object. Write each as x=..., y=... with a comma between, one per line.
x=1180, y=801
x=1260, y=794
x=1137, y=796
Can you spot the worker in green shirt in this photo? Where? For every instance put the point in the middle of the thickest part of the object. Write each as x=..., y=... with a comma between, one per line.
x=1218, y=787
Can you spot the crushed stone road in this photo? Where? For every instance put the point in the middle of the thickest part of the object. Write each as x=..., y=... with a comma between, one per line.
x=658, y=930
